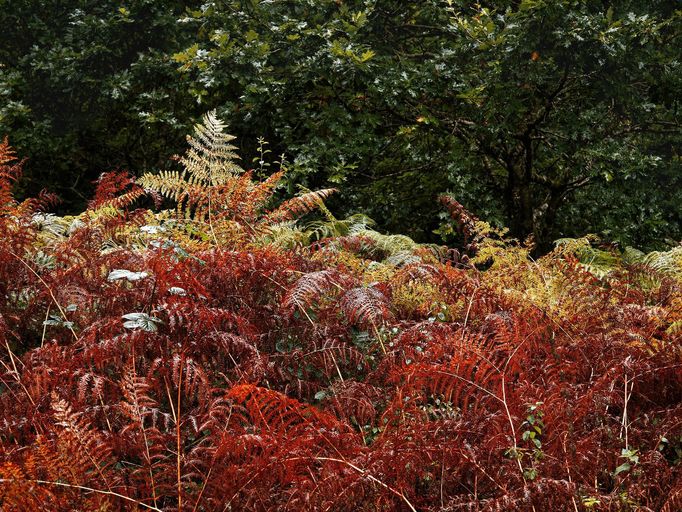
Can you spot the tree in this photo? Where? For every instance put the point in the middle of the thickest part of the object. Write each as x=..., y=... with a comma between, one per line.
x=515, y=106
x=535, y=114
x=89, y=86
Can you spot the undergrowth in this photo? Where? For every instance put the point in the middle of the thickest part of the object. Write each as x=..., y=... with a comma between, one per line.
x=223, y=355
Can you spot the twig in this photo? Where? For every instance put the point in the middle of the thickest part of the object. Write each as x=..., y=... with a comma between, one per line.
x=177, y=436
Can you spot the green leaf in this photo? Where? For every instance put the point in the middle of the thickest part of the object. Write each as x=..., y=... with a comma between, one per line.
x=141, y=321
x=367, y=55
x=621, y=468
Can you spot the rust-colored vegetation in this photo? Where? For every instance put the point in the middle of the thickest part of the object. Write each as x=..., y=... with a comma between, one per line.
x=217, y=355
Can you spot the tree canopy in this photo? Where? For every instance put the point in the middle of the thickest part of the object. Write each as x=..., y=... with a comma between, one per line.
x=553, y=118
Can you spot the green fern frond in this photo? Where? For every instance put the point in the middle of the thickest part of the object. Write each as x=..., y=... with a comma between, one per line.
x=402, y=258
x=390, y=244
x=596, y=261
x=333, y=227
x=285, y=235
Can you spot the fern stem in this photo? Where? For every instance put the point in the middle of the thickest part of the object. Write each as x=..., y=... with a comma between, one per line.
x=47, y=286
x=177, y=435
x=84, y=488
x=210, y=218
x=203, y=487
x=17, y=378
x=140, y=418
x=47, y=317
x=371, y=477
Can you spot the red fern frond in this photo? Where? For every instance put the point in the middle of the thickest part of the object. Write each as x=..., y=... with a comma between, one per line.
x=366, y=307
x=18, y=492
x=116, y=189
x=91, y=452
x=466, y=222
x=270, y=410
x=10, y=171
x=311, y=287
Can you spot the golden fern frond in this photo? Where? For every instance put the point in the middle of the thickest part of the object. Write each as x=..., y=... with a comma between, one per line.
x=210, y=159
x=668, y=262
x=171, y=184
x=209, y=177
x=674, y=328
x=217, y=202
x=299, y=205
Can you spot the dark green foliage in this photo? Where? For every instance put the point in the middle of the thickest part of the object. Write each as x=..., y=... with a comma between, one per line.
x=514, y=106
x=551, y=117
x=88, y=86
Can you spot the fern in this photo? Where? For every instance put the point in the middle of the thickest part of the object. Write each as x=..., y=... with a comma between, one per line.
x=217, y=201
x=208, y=166
x=363, y=372
x=171, y=184
x=210, y=160
x=668, y=262
x=311, y=287
x=299, y=205
x=365, y=306
x=10, y=171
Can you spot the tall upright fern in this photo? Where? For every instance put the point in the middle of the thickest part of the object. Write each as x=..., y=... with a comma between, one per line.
x=209, y=162
x=210, y=159
x=212, y=191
